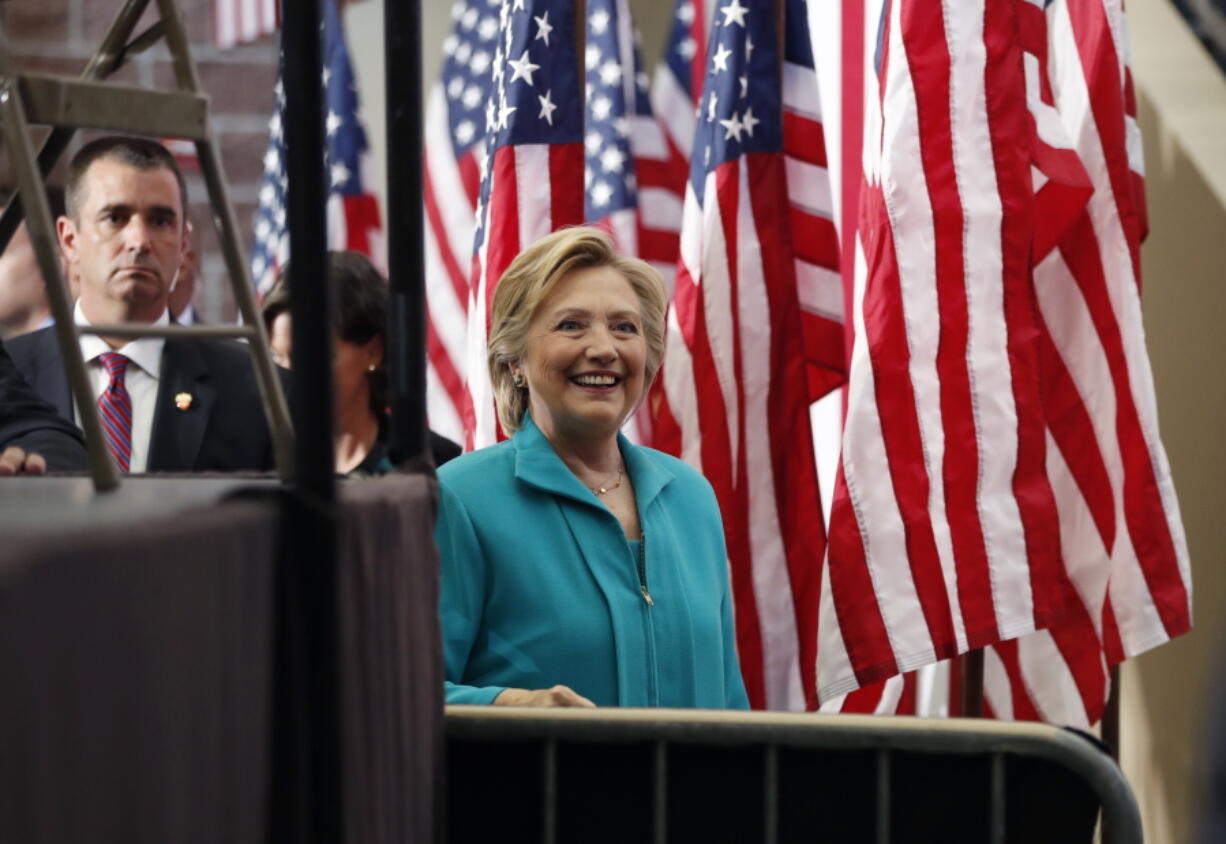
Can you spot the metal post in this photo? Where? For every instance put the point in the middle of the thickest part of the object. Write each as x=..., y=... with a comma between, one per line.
x=770, y=796
x=306, y=199
x=42, y=237
x=659, y=809
x=1110, y=731
x=549, y=792
x=998, y=807
x=406, y=331
x=227, y=234
x=314, y=570
x=110, y=57
x=885, y=799
x=1111, y=716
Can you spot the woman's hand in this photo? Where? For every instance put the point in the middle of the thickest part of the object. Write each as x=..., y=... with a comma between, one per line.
x=557, y=696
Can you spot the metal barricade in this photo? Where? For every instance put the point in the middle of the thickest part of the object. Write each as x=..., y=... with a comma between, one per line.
x=703, y=776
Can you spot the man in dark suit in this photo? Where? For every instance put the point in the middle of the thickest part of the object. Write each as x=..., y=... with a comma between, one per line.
x=172, y=405
x=33, y=437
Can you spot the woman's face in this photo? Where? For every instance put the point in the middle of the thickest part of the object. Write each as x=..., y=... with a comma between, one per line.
x=585, y=356
x=351, y=365
x=351, y=362
x=281, y=339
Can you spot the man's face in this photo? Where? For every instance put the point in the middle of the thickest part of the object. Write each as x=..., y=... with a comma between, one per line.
x=128, y=241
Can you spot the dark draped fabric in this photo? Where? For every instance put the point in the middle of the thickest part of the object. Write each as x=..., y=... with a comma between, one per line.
x=139, y=655
x=391, y=658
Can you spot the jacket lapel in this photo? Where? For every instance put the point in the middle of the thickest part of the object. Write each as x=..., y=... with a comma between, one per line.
x=49, y=379
x=649, y=477
x=185, y=401
x=536, y=463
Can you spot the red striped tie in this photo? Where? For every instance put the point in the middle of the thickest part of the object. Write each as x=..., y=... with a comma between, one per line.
x=115, y=408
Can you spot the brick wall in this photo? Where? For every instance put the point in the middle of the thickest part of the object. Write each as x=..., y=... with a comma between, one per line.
x=59, y=36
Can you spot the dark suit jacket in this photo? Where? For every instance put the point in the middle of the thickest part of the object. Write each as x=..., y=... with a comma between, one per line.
x=223, y=429
x=34, y=425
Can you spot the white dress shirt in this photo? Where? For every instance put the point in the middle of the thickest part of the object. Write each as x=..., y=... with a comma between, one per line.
x=141, y=379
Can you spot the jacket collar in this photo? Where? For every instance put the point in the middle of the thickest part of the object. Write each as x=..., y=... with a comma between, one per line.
x=537, y=463
x=145, y=352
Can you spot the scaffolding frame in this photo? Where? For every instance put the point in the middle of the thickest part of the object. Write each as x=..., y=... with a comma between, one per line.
x=90, y=101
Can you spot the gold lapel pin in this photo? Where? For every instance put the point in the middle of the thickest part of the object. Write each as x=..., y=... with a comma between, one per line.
x=183, y=401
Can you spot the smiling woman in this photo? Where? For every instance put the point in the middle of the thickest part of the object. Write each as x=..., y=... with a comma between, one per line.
x=553, y=592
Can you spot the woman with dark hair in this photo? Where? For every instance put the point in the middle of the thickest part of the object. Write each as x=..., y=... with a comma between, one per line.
x=359, y=328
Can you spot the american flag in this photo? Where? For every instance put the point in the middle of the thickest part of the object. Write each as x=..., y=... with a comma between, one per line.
x=454, y=149
x=1120, y=526
x=1122, y=547
x=353, y=213
x=634, y=179
x=240, y=21
x=814, y=235
x=532, y=178
x=1061, y=189
x=735, y=371
x=677, y=85
x=675, y=92
x=943, y=527
x=634, y=182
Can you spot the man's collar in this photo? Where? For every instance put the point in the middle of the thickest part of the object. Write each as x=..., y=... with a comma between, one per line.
x=145, y=352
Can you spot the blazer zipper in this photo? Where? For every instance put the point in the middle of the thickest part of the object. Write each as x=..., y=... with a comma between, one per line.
x=642, y=565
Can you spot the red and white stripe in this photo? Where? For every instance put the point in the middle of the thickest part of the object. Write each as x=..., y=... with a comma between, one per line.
x=941, y=534
x=1120, y=527
x=673, y=395
x=651, y=230
x=736, y=387
x=238, y=22
x=814, y=234
x=535, y=189
x=660, y=172
x=452, y=185
x=737, y=409
x=672, y=105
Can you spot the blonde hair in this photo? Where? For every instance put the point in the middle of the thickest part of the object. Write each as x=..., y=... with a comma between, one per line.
x=530, y=279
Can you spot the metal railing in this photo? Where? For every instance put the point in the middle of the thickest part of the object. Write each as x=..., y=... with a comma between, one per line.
x=680, y=776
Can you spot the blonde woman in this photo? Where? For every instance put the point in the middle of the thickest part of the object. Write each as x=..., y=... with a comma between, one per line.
x=577, y=568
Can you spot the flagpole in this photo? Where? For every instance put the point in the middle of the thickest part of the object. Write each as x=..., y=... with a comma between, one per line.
x=1111, y=716
x=971, y=691
x=406, y=335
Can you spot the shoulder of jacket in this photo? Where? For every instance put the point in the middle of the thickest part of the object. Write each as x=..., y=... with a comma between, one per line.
x=478, y=468
x=216, y=350
x=682, y=472
x=25, y=347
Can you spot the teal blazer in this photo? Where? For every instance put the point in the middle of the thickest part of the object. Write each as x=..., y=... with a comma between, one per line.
x=540, y=585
